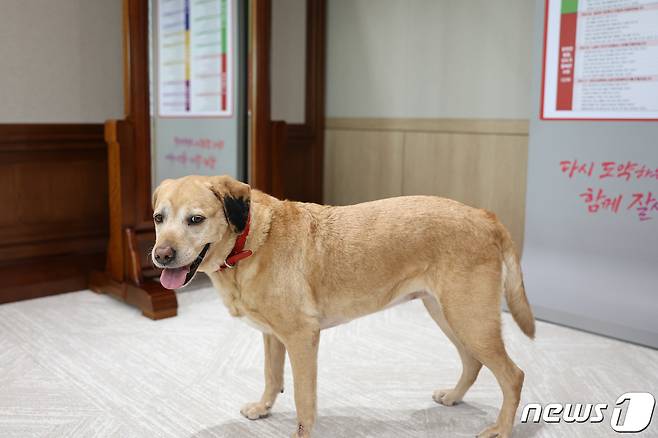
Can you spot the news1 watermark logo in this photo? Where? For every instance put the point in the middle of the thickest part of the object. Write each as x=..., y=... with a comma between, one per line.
x=632, y=412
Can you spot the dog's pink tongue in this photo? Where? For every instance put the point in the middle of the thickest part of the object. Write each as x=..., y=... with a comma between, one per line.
x=173, y=278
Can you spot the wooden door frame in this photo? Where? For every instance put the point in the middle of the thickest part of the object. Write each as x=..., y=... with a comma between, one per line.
x=129, y=273
x=311, y=132
x=258, y=94
x=137, y=104
x=267, y=160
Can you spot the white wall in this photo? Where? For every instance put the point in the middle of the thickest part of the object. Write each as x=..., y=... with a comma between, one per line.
x=429, y=58
x=60, y=61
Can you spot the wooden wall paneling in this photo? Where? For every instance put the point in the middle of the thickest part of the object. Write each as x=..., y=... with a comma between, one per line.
x=479, y=162
x=40, y=277
x=485, y=171
x=362, y=166
x=297, y=170
x=503, y=167
x=297, y=159
x=53, y=226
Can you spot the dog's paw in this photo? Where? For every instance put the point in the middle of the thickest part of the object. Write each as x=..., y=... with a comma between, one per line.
x=446, y=397
x=301, y=432
x=495, y=431
x=254, y=411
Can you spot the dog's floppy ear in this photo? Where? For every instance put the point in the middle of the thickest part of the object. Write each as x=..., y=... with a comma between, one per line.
x=154, y=197
x=235, y=197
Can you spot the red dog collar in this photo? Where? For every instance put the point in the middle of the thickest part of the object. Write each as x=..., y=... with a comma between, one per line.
x=238, y=252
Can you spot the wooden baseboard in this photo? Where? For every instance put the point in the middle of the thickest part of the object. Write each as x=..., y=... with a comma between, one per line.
x=34, y=278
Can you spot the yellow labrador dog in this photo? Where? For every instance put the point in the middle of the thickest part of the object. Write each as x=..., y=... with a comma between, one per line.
x=292, y=269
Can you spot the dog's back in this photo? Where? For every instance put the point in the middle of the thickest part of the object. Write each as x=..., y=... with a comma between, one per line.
x=363, y=257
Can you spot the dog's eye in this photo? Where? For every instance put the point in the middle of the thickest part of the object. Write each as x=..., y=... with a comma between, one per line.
x=157, y=218
x=196, y=219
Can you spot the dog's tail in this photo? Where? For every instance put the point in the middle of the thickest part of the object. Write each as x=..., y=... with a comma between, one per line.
x=514, y=288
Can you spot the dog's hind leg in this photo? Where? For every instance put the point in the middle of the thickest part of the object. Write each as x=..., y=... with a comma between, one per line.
x=472, y=310
x=470, y=366
x=302, y=347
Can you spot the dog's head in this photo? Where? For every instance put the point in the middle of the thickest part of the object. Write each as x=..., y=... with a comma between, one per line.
x=196, y=218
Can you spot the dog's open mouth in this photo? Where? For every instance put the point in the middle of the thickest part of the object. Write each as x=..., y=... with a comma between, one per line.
x=175, y=278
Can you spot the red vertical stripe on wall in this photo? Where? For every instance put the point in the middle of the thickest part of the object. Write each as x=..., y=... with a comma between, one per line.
x=224, y=79
x=566, y=61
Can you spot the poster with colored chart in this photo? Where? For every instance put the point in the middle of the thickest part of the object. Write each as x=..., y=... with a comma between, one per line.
x=195, y=58
x=198, y=83
x=600, y=60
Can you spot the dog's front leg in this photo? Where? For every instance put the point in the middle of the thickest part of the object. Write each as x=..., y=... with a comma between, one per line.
x=275, y=356
x=303, y=351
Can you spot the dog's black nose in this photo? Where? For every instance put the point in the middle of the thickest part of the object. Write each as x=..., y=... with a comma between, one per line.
x=164, y=254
